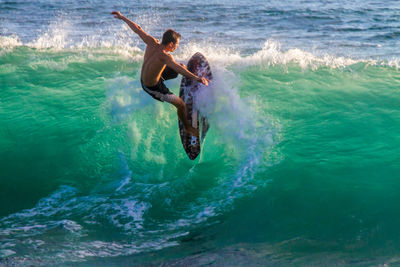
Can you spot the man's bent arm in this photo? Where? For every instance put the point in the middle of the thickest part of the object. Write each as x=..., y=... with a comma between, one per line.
x=148, y=39
x=183, y=71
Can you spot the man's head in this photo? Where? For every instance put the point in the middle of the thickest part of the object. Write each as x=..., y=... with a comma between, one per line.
x=171, y=39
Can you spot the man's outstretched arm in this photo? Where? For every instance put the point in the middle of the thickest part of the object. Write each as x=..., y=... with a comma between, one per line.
x=148, y=39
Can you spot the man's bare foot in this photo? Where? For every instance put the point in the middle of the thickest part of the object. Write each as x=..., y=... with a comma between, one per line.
x=192, y=131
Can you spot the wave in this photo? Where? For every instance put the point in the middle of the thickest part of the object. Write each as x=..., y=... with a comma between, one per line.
x=158, y=196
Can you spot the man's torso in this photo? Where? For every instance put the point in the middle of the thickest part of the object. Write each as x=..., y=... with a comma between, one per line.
x=153, y=65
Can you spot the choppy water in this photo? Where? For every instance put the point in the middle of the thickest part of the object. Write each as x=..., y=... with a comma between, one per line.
x=300, y=166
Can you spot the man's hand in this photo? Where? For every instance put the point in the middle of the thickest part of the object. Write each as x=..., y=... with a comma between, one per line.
x=203, y=80
x=117, y=15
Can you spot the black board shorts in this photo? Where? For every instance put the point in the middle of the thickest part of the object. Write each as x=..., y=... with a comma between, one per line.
x=159, y=91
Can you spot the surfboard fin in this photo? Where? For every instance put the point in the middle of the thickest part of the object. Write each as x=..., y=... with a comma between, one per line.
x=193, y=141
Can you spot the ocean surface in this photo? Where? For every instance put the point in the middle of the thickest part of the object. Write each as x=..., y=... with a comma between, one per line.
x=301, y=165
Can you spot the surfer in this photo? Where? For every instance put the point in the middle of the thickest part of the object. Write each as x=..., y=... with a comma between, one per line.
x=159, y=65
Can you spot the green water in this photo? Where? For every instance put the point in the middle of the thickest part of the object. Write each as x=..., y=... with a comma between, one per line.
x=303, y=158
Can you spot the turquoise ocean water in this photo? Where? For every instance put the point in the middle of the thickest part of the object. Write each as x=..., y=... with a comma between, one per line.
x=301, y=165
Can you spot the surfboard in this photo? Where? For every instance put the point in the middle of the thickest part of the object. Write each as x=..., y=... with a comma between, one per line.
x=189, y=89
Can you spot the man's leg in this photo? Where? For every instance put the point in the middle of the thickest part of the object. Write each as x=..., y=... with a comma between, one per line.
x=181, y=109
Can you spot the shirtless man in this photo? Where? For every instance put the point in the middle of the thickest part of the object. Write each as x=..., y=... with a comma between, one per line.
x=159, y=66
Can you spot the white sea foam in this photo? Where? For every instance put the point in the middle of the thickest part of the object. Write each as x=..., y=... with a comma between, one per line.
x=7, y=44
x=54, y=37
x=271, y=54
x=394, y=63
x=58, y=37
x=127, y=213
x=9, y=41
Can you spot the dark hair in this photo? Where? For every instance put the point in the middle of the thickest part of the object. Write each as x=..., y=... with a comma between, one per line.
x=170, y=36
